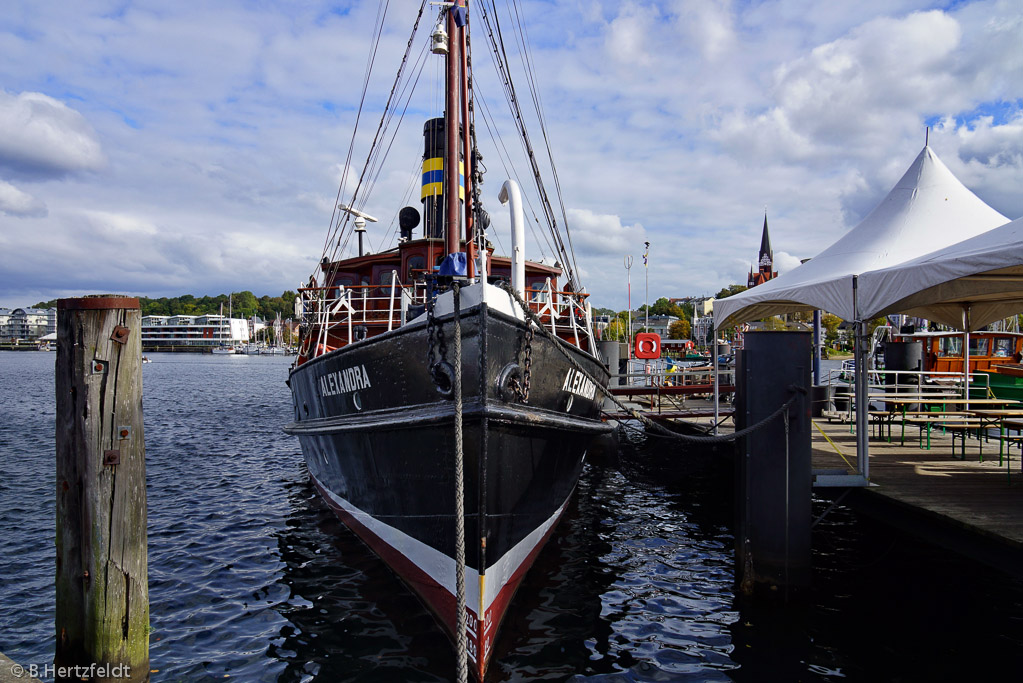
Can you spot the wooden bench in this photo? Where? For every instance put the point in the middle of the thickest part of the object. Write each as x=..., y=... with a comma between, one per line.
x=955, y=423
x=916, y=417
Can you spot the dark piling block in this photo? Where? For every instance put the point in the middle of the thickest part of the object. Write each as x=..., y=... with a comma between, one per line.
x=774, y=474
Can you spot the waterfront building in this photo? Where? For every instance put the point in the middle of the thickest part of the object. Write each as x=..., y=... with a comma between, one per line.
x=26, y=324
x=657, y=323
x=702, y=329
x=198, y=331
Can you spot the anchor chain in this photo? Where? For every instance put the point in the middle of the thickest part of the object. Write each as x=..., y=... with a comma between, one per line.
x=441, y=371
x=525, y=350
x=431, y=332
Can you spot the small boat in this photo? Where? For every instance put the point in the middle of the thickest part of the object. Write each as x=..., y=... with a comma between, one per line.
x=226, y=348
x=847, y=372
x=995, y=356
x=445, y=396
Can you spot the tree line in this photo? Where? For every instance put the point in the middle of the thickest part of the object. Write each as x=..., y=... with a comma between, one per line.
x=618, y=327
x=240, y=304
x=682, y=329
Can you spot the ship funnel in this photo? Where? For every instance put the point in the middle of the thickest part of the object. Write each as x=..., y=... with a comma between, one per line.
x=434, y=193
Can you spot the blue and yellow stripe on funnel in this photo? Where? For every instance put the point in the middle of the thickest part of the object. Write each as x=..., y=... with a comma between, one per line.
x=433, y=178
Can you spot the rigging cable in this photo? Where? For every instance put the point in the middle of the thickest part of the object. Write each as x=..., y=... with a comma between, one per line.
x=336, y=213
x=381, y=127
x=530, y=71
x=501, y=62
x=505, y=156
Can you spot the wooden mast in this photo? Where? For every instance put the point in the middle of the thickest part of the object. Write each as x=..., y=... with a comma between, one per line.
x=451, y=151
x=467, y=153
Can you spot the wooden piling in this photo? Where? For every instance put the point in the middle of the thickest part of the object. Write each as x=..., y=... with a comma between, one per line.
x=102, y=618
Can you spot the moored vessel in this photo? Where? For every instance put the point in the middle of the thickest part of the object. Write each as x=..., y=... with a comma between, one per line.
x=445, y=396
x=994, y=359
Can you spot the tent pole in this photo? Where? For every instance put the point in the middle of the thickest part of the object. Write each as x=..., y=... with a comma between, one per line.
x=966, y=355
x=861, y=390
x=817, y=347
x=717, y=384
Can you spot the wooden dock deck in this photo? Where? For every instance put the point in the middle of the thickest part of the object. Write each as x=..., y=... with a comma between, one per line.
x=973, y=505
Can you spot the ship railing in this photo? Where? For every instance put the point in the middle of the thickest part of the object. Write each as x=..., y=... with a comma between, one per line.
x=913, y=383
x=656, y=372
x=672, y=386
x=567, y=315
x=337, y=311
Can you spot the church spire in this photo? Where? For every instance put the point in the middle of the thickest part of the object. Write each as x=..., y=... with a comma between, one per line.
x=766, y=258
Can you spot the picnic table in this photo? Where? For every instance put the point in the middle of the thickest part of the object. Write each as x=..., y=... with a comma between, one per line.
x=1007, y=420
x=951, y=413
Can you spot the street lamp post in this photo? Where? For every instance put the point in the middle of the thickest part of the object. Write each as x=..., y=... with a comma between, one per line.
x=646, y=296
x=628, y=271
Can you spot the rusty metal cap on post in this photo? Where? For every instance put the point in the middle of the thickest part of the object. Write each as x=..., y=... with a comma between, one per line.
x=98, y=302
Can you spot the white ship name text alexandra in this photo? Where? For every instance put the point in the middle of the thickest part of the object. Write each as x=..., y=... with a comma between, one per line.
x=344, y=381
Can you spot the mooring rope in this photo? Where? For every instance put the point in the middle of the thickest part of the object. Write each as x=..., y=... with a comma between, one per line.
x=657, y=428
x=463, y=670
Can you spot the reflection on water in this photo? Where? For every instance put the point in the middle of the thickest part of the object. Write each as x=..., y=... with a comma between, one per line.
x=252, y=577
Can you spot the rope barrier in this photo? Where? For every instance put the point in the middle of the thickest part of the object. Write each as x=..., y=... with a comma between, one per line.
x=463, y=670
x=658, y=429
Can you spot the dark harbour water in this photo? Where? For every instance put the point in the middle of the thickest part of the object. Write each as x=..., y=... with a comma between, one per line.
x=253, y=579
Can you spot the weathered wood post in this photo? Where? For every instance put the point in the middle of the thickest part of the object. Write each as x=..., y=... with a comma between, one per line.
x=102, y=622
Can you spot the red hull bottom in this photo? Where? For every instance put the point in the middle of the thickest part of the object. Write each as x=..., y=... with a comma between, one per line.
x=441, y=600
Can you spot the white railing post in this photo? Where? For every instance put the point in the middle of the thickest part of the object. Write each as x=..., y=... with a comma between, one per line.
x=390, y=304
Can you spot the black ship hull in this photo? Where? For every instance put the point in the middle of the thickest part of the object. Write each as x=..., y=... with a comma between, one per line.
x=378, y=440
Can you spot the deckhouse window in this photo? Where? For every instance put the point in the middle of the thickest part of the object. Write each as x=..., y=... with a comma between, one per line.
x=413, y=264
x=950, y=346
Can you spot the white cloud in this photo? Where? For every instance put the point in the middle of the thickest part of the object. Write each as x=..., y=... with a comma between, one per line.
x=41, y=135
x=709, y=26
x=603, y=234
x=869, y=85
x=675, y=122
x=784, y=261
x=14, y=202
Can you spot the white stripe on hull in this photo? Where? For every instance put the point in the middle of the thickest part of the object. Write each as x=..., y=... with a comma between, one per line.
x=439, y=566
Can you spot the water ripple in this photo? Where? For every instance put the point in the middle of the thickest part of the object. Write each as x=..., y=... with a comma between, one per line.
x=253, y=578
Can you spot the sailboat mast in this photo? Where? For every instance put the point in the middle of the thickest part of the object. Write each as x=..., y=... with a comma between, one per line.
x=451, y=151
x=467, y=152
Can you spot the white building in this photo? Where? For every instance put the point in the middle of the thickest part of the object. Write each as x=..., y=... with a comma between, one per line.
x=193, y=330
x=26, y=324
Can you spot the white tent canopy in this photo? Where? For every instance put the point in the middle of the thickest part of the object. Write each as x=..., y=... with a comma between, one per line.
x=984, y=273
x=927, y=209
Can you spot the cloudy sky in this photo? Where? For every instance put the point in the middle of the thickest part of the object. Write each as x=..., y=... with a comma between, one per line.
x=162, y=148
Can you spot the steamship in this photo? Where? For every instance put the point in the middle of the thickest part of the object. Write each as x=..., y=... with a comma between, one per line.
x=378, y=378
